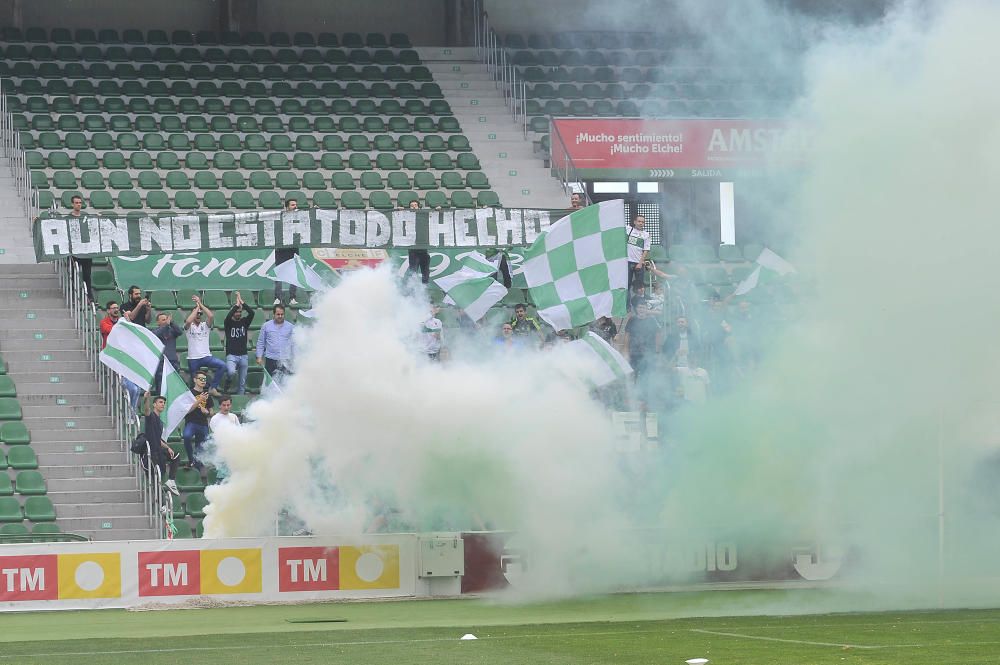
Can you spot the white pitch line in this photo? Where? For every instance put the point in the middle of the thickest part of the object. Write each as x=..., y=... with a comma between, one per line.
x=818, y=644
x=323, y=644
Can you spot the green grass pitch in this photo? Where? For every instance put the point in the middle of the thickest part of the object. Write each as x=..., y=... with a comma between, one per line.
x=642, y=628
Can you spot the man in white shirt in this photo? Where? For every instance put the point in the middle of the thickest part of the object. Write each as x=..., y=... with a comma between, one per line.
x=198, y=326
x=638, y=250
x=225, y=414
x=432, y=334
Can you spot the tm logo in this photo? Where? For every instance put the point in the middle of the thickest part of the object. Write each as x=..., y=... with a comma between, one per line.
x=661, y=173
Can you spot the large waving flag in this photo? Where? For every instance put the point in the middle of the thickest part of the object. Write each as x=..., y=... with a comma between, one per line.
x=472, y=286
x=295, y=271
x=577, y=270
x=133, y=352
x=179, y=398
x=769, y=266
x=608, y=365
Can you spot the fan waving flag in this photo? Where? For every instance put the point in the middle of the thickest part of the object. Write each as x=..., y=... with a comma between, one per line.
x=179, y=398
x=577, y=270
x=608, y=364
x=472, y=287
x=295, y=271
x=133, y=352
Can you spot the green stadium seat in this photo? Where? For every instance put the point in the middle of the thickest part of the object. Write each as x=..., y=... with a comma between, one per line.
x=39, y=508
x=149, y=180
x=440, y=161
x=380, y=201
x=213, y=201
x=403, y=199
x=162, y=300
x=183, y=530
x=14, y=529
x=45, y=528
x=128, y=200
x=250, y=161
x=467, y=162
x=343, y=180
x=488, y=199
x=270, y=201
x=359, y=162
x=303, y=162
x=730, y=253
x=243, y=201
x=195, y=504
x=313, y=180
x=408, y=143
x=206, y=179
x=435, y=199
x=324, y=199
x=261, y=180
x=10, y=510
x=413, y=161
x=462, y=199
x=451, y=180
x=459, y=143
x=6, y=486
x=332, y=161
x=233, y=180
x=157, y=200
x=59, y=160
x=352, y=201
x=178, y=180
x=424, y=180
x=29, y=483
x=276, y=161
x=286, y=180
x=64, y=180
x=371, y=180
x=477, y=180
x=101, y=201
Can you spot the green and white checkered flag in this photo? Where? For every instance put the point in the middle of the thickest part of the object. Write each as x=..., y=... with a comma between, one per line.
x=472, y=287
x=577, y=270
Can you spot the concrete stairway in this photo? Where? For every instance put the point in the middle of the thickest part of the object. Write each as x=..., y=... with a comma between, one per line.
x=516, y=174
x=89, y=480
x=15, y=235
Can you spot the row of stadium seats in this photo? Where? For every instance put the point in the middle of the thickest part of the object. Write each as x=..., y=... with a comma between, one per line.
x=261, y=180
x=187, y=200
x=37, y=35
x=135, y=106
x=199, y=58
x=28, y=85
x=249, y=143
x=22, y=486
x=130, y=75
x=589, y=41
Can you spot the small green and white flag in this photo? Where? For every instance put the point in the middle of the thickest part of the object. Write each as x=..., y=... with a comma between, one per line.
x=607, y=365
x=133, y=352
x=179, y=397
x=577, y=269
x=472, y=287
x=296, y=271
x=769, y=266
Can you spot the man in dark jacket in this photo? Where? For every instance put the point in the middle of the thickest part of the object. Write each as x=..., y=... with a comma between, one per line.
x=237, y=332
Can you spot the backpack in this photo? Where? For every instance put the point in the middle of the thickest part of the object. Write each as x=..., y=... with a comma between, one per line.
x=140, y=445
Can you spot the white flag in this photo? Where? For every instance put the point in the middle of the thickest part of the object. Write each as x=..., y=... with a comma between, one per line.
x=769, y=265
x=472, y=287
x=132, y=352
x=607, y=364
x=295, y=271
x=179, y=398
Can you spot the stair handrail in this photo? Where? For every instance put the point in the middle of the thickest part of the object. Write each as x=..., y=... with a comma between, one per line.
x=492, y=53
x=124, y=417
x=10, y=142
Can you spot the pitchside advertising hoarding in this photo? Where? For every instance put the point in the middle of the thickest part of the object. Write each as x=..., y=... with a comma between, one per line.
x=136, y=573
x=634, y=148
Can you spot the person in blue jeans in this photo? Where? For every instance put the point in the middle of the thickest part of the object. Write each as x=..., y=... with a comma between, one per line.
x=237, y=334
x=199, y=327
x=196, y=421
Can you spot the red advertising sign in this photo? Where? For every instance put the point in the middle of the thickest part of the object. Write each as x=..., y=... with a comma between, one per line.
x=31, y=577
x=675, y=148
x=308, y=569
x=170, y=573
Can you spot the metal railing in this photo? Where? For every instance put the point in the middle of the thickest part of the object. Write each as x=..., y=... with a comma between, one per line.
x=563, y=168
x=119, y=407
x=491, y=53
x=10, y=143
